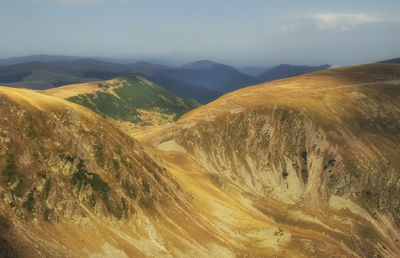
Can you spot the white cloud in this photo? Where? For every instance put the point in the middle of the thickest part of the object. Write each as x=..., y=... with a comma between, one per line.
x=341, y=21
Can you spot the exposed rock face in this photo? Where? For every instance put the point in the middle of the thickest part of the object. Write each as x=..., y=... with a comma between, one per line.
x=77, y=160
x=60, y=163
x=306, y=166
x=323, y=141
x=283, y=153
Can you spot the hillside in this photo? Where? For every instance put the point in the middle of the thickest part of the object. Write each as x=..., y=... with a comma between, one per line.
x=73, y=185
x=305, y=166
x=284, y=71
x=314, y=156
x=128, y=99
x=66, y=173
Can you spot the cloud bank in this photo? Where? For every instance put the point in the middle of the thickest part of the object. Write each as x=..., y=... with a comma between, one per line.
x=330, y=22
x=341, y=21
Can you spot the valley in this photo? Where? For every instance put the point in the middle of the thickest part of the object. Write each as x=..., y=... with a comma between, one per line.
x=301, y=167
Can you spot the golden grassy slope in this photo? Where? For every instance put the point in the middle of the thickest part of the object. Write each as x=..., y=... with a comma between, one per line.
x=317, y=92
x=48, y=138
x=65, y=92
x=34, y=99
x=310, y=154
x=213, y=224
x=257, y=175
x=129, y=102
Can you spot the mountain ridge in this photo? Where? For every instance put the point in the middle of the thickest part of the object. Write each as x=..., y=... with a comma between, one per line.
x=319, y=143
x=285, y=70
x=267, y=170
x=131, y=99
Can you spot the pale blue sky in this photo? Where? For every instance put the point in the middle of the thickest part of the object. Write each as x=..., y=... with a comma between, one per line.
x=237, y=32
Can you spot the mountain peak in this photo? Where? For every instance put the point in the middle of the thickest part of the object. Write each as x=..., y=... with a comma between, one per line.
x=203, y=64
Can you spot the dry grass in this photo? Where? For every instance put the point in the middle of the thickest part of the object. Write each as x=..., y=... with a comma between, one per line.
x=65, y=92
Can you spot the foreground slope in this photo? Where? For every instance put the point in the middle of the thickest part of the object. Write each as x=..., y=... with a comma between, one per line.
x=306, y=166
x=131, y=99
x=315, y=156
x=72, y=185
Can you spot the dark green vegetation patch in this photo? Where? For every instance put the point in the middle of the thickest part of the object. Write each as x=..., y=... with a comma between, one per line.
x=11, y=176
x=82, y=178
x=10, y=173
x=101, y=189
x=134, y=93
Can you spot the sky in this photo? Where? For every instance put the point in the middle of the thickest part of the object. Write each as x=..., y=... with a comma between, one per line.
x=236, y=32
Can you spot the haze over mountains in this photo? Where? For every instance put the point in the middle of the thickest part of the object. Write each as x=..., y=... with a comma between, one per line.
x=202, y=80
x=254, y=71
x=285, y=70
x=392, y=61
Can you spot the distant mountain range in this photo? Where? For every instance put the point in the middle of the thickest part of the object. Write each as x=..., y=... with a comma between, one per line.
x=57, y=58
x=211, y=75
x=254, y=71
x=285, y=70
x=203, y=80
x=392, y=61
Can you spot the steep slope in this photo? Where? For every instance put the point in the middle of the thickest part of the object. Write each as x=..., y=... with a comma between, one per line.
x=72, y=185
x=131, y=99
x=284, y=71
x=211, y=75
x=316, y=154
x=302, y=167
x=62, y=165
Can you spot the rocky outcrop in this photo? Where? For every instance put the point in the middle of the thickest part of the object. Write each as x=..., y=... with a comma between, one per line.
x=336, y=152
x=61, y=163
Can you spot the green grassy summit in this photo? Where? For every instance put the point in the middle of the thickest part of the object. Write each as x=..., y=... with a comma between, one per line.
x=132, y=98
